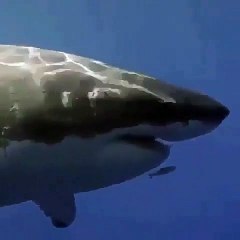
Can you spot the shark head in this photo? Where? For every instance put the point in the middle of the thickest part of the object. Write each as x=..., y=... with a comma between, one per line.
x=74, y=95
x=72, y=124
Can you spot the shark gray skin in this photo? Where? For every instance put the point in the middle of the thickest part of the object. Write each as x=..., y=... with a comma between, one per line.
x=72, y=124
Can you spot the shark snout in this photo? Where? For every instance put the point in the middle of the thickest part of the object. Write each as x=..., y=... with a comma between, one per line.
x=202, y=106
x=213, y=109
x=222, y=111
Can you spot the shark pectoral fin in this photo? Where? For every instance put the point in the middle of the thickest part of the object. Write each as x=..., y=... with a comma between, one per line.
x=60, y=207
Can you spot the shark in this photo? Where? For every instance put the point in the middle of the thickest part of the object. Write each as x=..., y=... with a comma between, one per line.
x=71, y=124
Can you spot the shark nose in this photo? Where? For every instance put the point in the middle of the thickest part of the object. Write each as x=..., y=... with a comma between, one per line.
x=218, y=111
x=207, y=107
x=222, y=111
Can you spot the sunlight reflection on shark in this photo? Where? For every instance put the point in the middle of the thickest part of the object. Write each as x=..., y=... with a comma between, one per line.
x=72, y=124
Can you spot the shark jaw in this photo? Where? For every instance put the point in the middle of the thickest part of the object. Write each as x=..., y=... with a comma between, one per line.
x=174, y=132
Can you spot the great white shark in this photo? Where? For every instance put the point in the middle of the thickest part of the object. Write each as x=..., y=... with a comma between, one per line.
x=72, y=124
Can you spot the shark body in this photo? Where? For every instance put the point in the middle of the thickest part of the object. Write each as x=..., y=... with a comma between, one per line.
x=72, y=124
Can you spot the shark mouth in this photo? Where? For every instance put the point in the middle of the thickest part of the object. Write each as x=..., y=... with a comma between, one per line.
x=174, y=132
x=158, y=138
x=147, y=142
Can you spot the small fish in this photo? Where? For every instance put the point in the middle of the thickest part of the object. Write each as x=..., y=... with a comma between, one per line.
x=163, y=171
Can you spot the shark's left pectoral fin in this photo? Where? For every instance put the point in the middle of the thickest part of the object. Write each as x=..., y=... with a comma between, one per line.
x=59, y=206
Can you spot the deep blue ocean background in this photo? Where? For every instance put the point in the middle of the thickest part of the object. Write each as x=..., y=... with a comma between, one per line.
x=193, y=43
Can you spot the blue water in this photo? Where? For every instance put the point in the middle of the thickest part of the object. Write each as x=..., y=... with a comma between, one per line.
x=193, y=43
